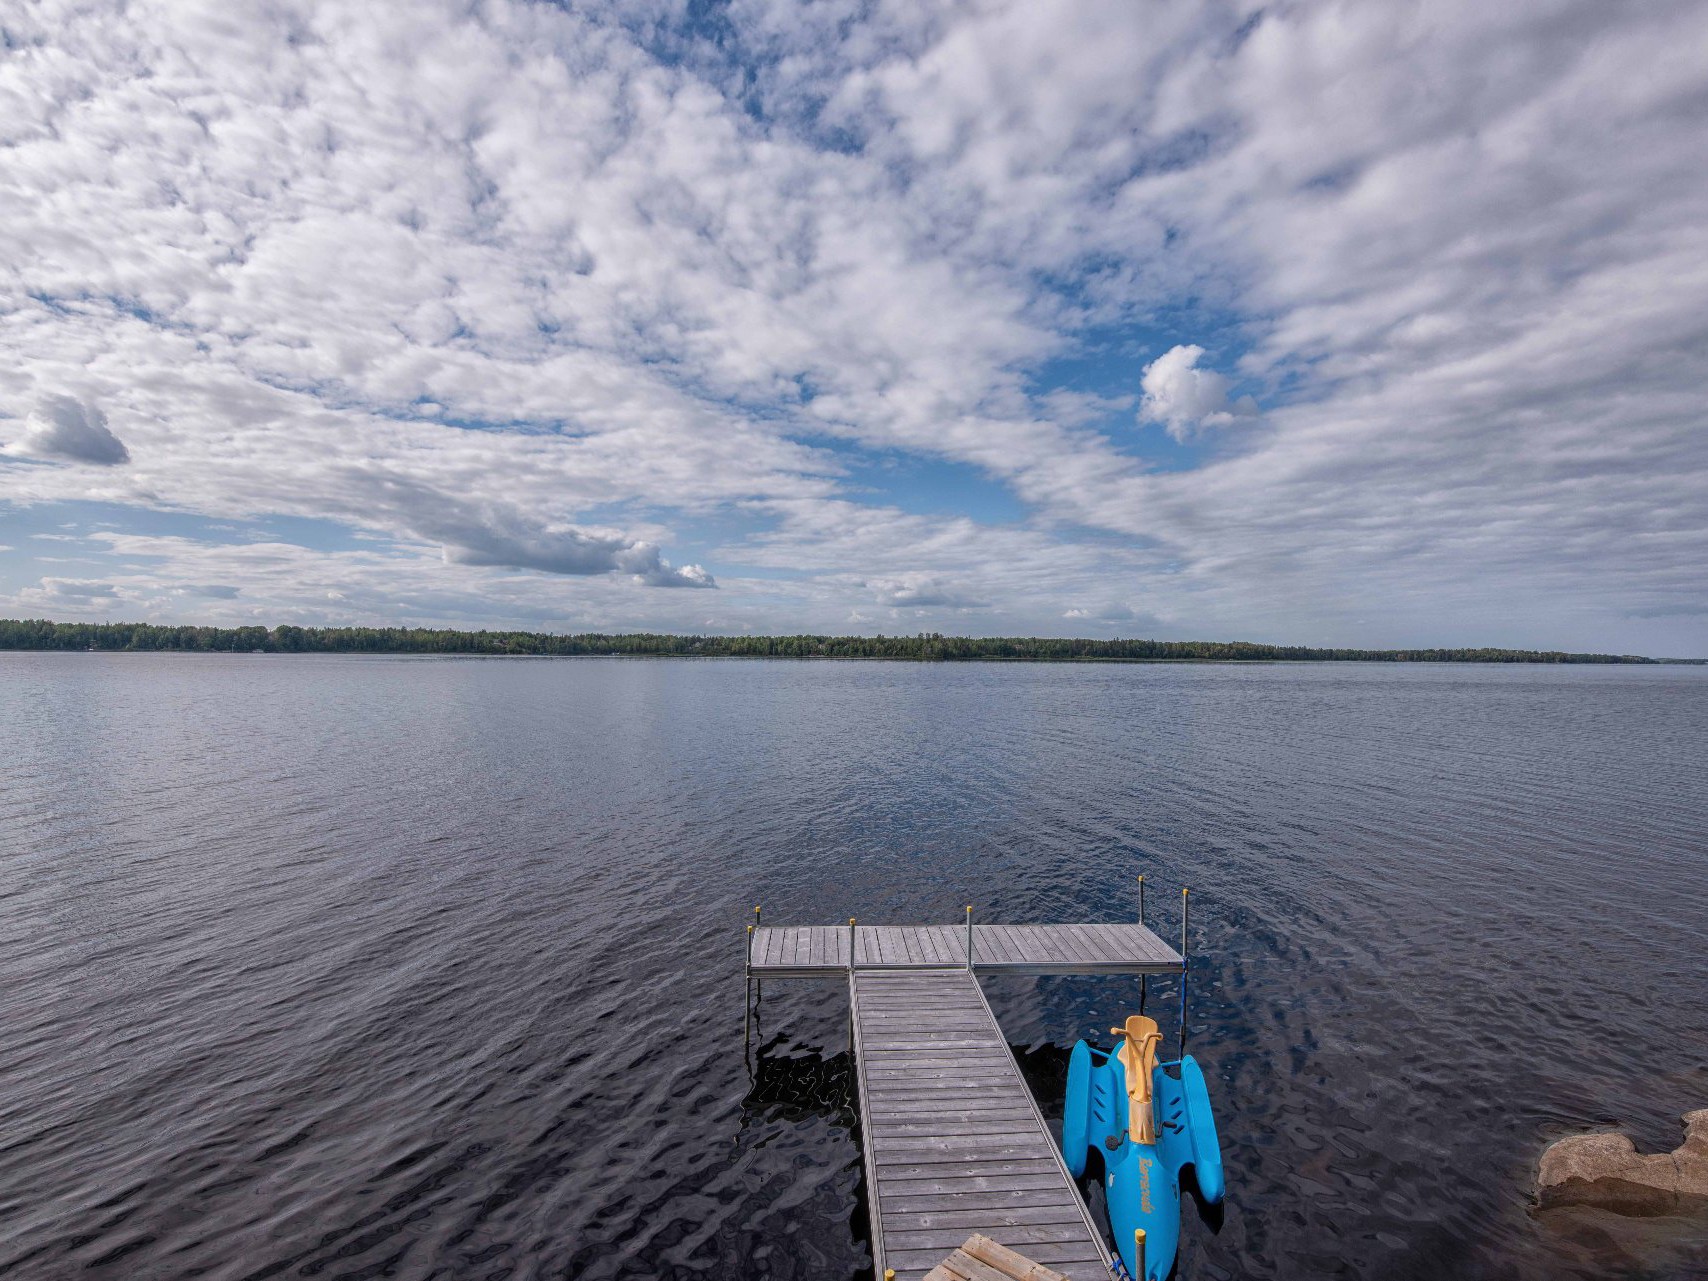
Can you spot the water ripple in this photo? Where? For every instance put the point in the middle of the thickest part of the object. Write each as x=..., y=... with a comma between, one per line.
x=355, y=967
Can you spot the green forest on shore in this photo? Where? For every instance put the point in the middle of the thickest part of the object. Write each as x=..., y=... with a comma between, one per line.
x=40, y=633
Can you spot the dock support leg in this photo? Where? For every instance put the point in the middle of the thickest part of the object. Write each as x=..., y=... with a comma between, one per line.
x=747, y=995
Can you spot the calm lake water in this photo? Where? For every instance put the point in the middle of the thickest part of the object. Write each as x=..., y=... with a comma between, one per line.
x=362, y=967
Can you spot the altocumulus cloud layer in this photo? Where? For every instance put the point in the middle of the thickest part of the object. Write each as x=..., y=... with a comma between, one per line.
x=1336, y=323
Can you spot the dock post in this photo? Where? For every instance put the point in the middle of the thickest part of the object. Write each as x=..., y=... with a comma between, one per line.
x=1144, y=984
x=1139, y=1254
x=747, y=966
x=969, y=936
x=1185, y=913
x=850, y=944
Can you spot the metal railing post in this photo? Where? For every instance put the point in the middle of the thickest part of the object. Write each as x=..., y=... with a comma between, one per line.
x=1185, y=913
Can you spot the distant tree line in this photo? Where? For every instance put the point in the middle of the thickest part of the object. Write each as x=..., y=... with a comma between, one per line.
x=39, y=633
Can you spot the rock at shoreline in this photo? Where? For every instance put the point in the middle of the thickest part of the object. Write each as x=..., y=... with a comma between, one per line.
x=1607, y=1171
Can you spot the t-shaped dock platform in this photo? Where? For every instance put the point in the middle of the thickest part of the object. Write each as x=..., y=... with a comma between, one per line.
x=953, y=1140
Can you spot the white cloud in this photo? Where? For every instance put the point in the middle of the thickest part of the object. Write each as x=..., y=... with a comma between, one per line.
x=66, y=429
x=77, y=588
x=209, y=591
x=921, y=591
x=558, y=549
x=501, y=282
x=1182, y=396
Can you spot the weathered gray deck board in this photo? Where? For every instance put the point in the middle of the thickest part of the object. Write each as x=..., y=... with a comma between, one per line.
x=952, y=1139
x=808, y=951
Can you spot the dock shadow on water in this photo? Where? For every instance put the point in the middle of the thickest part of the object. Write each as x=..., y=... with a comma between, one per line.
x=343, y=967
x=798, y=1085
x=810, y=1095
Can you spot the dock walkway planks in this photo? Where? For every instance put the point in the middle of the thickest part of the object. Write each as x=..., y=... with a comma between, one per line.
x=821, y=951
x=954, y=1142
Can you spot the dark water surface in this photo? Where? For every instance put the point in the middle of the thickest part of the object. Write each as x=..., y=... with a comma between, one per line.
x=362, y=967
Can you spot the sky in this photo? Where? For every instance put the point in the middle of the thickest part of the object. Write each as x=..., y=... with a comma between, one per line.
x=1341, y=324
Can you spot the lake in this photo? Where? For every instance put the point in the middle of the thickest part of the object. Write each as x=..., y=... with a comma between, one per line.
x=413, y=967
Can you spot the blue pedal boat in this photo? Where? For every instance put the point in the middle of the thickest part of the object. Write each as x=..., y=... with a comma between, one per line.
x=1146, y=1121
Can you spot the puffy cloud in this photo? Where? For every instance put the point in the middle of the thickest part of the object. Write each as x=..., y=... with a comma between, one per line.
x=72, y=430
x=1182, y=396
x=686, y=576
x=516, y=282
x=562, y=549
x=921, y=591
x=506, y=535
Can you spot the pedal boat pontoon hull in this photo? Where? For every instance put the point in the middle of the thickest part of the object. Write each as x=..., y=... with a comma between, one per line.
x=1145, y=1136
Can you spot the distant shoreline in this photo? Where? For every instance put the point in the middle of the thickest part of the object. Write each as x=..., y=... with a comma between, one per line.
x=43, y=634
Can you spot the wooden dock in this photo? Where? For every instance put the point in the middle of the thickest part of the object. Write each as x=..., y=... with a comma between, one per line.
x=953, y=1141
x=821, y=951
